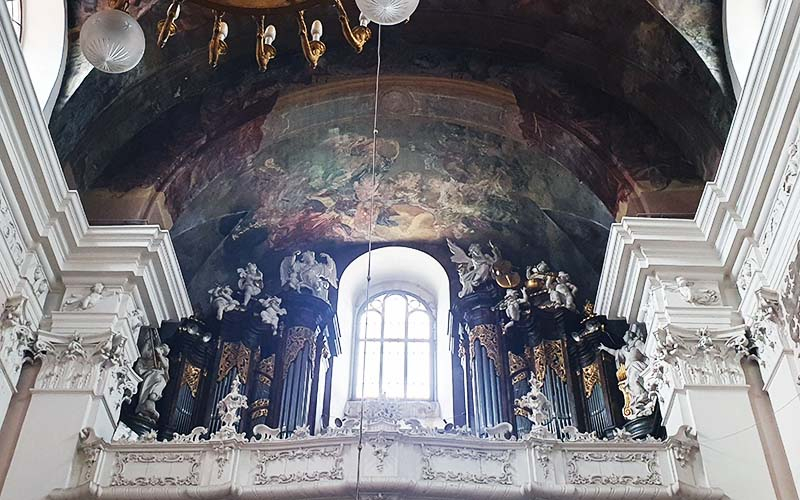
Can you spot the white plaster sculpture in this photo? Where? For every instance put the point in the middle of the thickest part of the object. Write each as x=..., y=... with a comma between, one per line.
x=113, y=349
x=561, y=291
x=90, y=300
x=222, y=300
x=39, y=284
x=696, y=295
x=538, y=409
x=633, y=357
x=228, y=409
x=251, y=281
x=136, y=320
x=263, y=433
x=153, y=367
x=474, y=266
x=272, y=312
x=539, y=271
x=499, y=431
x=512, y=305
x=13, y=311
x=303, y=273
x=195, y=436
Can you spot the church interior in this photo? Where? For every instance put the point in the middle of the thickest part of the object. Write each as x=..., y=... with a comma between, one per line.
x=399, y=249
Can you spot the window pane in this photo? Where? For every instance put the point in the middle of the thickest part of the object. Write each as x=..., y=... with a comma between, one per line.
x=373, y=328
x=419, y=370
x=373, y=349
x=394, y=310
x=419, y=325
x=393, y=369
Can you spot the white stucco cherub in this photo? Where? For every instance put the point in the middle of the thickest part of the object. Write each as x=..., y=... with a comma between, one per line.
x=251, y=281
x=222, y=300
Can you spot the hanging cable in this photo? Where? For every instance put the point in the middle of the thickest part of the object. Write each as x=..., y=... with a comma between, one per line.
x=373, y=188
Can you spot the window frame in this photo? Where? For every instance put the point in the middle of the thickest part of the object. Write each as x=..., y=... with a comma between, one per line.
x=357, y=348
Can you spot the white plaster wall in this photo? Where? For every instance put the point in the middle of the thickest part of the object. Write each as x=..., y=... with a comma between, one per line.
x=44, y=47
x=742, y=21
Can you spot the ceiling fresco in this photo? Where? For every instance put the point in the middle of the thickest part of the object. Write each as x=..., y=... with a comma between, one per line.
x=532, y=123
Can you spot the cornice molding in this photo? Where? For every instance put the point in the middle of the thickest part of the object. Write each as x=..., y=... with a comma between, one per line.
x=49, y=215
x=729, y=217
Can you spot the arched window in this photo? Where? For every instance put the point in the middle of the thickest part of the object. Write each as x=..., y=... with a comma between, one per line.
x=396, y=331
x=409, y=360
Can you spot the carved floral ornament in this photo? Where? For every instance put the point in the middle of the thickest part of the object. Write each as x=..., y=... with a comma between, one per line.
x=449, y=460
x=698, y=357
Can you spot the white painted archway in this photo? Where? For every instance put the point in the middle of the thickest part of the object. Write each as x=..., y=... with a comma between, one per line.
x=742, y=23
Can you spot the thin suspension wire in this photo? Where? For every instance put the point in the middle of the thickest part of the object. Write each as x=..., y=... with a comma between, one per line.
x=373, y=188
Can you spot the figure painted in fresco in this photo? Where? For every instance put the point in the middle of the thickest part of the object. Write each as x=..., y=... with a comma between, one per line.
x=474, y=266
x=251, y=281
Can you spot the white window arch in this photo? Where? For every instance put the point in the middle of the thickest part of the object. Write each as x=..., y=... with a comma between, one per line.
x=408, y=274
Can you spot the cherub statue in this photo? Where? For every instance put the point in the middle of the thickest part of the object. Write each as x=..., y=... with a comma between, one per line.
x=474, y=266
x=535, y=405
x=632, y=356
x=567, y=290
x=251, y=281
x=222, y=300
x=512, y=305
x=153, y=367
x=96, y=294
x=272, y=312
x=303, y=273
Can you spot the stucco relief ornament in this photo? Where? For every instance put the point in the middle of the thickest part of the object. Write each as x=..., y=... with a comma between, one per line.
x=39, y=282
x=112, y=351
x=222, y=300
x=89, y=300
x=271, y=315
x=303, y=273
x=632, y=361
x=251, y=281
x=474, y=266
x=153, y=367
x=228, y=409
x=693, y=294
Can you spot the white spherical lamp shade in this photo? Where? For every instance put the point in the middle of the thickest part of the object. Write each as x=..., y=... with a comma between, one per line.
x=387, y=12
x=112, y=41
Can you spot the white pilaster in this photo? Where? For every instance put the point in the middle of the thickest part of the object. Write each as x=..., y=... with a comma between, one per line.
x=50, y=256
x=739, y=242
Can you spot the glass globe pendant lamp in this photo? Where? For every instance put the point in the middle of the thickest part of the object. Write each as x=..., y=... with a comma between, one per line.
x=387, y=12
x=112, y=40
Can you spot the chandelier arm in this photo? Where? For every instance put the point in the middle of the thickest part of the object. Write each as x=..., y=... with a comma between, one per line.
x=217, y=46
x=167, y=27
x=312, y=49
x=357, y=37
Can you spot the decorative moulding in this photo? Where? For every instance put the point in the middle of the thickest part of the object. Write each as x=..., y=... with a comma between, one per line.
x=729, y=216
x=40, y=216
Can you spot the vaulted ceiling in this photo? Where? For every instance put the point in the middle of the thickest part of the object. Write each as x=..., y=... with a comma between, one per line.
x=533, y=122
